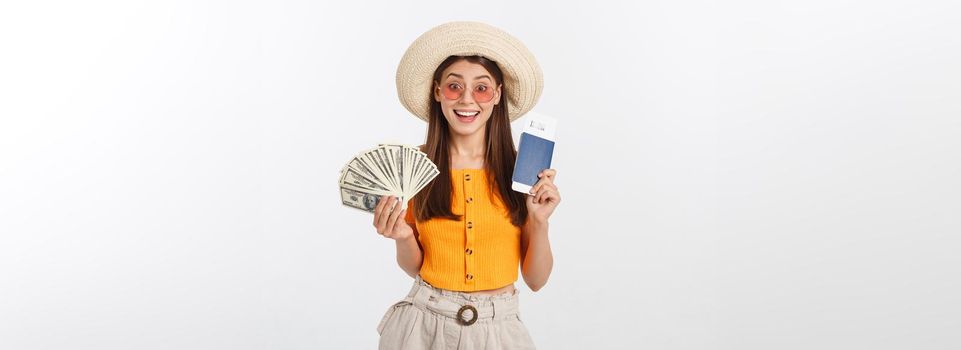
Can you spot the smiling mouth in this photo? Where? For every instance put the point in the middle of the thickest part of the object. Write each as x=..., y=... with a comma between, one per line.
x=466, y=116
x=466, y=113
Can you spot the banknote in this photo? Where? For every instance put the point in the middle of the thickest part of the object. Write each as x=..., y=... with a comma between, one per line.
x=388, y=169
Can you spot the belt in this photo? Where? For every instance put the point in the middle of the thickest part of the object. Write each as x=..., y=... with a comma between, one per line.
x=465, y=312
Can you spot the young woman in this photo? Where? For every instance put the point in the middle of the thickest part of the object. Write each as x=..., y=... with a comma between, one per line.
x=463, y=237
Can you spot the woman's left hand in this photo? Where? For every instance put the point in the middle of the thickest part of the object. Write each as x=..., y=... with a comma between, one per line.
x=544, y=196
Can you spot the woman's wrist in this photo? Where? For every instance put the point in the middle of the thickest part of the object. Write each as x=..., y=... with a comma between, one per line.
x=406, y=240
x=534, y=223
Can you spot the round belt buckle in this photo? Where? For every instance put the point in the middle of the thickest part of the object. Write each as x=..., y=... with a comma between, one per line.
x=460, y=315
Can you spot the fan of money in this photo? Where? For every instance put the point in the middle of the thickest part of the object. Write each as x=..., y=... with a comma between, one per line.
x=389, y=169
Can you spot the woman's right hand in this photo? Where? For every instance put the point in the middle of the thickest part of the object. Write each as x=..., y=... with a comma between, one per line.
x=389, y=219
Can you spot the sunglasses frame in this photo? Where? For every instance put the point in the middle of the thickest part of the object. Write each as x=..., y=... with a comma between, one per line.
x=493, y=96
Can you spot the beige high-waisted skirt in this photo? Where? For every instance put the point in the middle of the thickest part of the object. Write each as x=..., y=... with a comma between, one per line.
x=434, y=318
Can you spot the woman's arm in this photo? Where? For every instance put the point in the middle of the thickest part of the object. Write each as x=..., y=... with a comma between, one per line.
x=409, y=255
x=537, y=261
x=391, y=222
x=536, y=257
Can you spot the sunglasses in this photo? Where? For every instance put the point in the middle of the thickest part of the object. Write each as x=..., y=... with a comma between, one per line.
x=482, y=93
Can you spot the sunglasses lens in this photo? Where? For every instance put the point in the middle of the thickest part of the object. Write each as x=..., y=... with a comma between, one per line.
x=452, y=91
x=483, y=93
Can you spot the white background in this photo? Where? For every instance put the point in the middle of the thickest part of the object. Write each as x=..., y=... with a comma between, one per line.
x=735, y=174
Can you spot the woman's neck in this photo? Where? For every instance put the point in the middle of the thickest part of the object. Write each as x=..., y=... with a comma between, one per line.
x=468, y=151
x=468, y=146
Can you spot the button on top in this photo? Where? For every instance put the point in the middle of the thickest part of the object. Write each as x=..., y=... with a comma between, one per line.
x=470, y=224
x=467, y=177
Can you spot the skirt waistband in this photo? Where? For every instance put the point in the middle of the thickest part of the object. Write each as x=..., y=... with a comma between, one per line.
x=453, y=303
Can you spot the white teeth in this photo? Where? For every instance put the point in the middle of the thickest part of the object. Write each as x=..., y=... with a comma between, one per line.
x=462, y=114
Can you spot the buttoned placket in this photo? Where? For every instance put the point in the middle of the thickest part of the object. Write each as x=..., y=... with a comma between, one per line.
x=469, y=227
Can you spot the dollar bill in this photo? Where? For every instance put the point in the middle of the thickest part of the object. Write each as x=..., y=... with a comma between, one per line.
x=388, y=169
x=352, y=177
x=361, y=200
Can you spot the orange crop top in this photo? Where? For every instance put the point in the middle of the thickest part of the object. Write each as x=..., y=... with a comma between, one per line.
x=482, y=250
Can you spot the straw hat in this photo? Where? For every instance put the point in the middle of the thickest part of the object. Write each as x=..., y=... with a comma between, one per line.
x=522, y=75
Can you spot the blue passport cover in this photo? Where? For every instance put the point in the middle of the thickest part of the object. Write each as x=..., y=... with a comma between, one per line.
x=534, y=156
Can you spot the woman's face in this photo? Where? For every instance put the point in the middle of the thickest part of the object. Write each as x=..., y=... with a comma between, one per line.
x=467, y=114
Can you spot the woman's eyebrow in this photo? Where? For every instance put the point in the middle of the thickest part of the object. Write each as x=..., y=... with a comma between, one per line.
x=462, y=77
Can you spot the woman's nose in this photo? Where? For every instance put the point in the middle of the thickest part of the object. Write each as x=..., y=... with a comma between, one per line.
x=467, y=97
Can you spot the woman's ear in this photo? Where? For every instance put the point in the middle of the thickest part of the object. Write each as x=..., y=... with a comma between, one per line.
x=498, y=99
x=436, y=92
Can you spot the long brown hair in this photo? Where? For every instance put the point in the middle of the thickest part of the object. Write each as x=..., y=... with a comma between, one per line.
x=435, y=199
